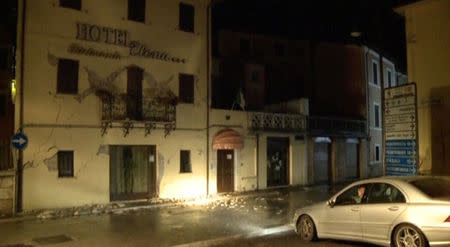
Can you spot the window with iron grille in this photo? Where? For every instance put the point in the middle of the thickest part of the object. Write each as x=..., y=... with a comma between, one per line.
x=71, y=4
x=185, y=161
x=187, y=14
x=67, y=76
x=136, y=10
x=65, y=164
x=186, y=88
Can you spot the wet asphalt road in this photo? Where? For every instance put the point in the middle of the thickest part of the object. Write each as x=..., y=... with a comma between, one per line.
x=288, y=239
x=224, y=221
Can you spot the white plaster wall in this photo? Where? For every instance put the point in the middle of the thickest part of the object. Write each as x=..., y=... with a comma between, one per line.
x=50, y=118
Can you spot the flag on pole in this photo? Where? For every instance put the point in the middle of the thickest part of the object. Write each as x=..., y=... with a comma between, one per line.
x=240, y=100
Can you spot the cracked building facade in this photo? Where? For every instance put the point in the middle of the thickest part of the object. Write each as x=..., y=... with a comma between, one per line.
x=113, y=99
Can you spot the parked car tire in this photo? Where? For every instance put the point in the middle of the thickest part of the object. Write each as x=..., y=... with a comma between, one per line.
x=306, y=228
x=408, y=235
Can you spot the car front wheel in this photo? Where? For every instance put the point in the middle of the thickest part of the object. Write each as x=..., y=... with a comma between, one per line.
x=408, y=236
x=306, y=228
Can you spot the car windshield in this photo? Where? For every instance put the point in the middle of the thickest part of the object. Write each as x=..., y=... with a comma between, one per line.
x=433, y=187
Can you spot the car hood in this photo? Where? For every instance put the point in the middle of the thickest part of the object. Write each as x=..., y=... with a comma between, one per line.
x=311, y=207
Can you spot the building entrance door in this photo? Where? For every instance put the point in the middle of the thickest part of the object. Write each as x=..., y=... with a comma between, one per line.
x=132, y=172
x=277, y=161
x=225, y=171
x=322, y=165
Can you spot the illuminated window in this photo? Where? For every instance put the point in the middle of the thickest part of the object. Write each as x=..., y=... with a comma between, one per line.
x=375, y=72
x=186, y=88
x=65, y=164
x=3, y=58
x=377, y=115
x=187, y=14
x=71, y=4
x=185, y=161
x=377, y=152
x=136, y=10
x=67, y=76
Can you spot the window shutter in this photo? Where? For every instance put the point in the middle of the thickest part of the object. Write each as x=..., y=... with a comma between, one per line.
x=186, y=88
x=67, y=76
x=187, y=13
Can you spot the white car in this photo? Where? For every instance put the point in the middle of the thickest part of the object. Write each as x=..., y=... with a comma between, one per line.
x=390, y=211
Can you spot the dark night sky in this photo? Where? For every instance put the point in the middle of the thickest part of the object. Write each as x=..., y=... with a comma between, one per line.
x=324, y=20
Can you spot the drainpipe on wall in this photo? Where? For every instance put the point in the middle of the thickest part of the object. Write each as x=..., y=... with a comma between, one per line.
x=208, y=81
x=382, y=113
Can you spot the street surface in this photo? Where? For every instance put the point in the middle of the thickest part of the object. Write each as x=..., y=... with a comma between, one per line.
x=249, y=220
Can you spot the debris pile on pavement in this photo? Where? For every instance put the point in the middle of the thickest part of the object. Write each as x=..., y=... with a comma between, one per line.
x=249, y=202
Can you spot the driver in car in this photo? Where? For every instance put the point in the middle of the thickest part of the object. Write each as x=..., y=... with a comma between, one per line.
x=358, y=198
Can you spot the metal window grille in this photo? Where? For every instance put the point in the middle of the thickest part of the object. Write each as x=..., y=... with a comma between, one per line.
x=65, y=164
x=185, y=161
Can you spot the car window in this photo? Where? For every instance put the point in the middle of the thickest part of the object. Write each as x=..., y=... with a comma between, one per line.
x=385, y=193
x=433, y=187
x=352, y=196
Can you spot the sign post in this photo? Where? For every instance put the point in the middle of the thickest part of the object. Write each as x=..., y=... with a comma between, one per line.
x=400, y=123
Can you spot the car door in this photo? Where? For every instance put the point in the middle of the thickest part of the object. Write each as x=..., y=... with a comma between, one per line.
x=384, y=204
x=342, y=220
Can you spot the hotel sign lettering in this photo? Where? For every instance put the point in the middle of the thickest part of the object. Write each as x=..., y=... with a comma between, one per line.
x=118, y=37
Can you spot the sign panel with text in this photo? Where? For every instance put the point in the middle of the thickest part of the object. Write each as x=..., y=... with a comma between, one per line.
x=400, y=130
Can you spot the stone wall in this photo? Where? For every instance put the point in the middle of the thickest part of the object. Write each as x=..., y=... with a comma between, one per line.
x=6, y=194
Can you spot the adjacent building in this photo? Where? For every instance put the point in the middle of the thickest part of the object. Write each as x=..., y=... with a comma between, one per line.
x=428, y=60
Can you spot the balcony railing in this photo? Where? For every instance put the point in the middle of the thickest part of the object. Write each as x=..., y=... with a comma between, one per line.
x=123, y=108
x=336, y=126
x=263, y=121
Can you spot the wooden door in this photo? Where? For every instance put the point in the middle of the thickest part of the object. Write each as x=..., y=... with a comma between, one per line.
x=225, y=171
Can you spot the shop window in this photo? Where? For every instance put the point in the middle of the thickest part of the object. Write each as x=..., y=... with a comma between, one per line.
x=65, y=164
x=389, y=78
x=136, y=10
x=187, y=14
x=185, y=161
x=186, y=88
x=67, y=76
x=71, y=4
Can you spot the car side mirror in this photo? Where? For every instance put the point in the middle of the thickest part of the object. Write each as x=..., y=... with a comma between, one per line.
x=330, y=203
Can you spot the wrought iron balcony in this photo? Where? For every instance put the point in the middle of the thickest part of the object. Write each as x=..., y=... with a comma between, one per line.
x=336, y=126
x=280, y=122
x=127, y=108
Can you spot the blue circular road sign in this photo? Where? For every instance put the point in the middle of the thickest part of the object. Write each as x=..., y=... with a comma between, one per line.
x=19, y=141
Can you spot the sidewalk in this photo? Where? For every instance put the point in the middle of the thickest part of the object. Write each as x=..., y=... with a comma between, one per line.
x=201, y=222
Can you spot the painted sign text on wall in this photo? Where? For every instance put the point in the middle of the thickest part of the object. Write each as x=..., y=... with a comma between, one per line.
x=113, y=36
